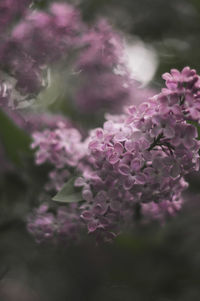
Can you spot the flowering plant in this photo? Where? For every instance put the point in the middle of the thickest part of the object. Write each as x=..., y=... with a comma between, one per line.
x=130, y=170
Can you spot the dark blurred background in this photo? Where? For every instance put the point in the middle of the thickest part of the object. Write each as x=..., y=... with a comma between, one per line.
x=153, y=263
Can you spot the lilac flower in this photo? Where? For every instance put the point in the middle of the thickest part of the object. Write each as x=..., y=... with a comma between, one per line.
x=102, y=46
x=46, y=36
x=45, y=39
x=105, y=83
x=192, y=106
x=179, y=81
x=169, y=104
x=134, y=167
x=37, y=41
x=63, y=148
x=160, y=211
x=163, y=125
x=136, y=160
x=60, y=147
x=43, y=226
x=181, y=97
x=64, y=225
x=101, y=87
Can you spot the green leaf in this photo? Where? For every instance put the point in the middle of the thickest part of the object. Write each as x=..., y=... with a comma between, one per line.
x=71, y=198
x=15, y=141
x=68, y=194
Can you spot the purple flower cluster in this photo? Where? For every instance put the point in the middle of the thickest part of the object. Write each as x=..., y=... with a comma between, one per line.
x=63, y=148
x=102, y=47
x=133, y=168
x=46, y=36
x=39, y=39
x=138, y=161
x=42, y=40
x=101, y=87
x=46, y=226
x=158, y=211
x=60, y=147
x=182, y=94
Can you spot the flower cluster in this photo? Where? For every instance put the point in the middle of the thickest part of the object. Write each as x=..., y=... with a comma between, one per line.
x=133, y=168
x=46, y=226
x=39, y=30
x=102, y=47
x=137, y=161
x=63, y=148
x=39, y=39
x=60, y=147
x=42, y=40
x=182, y=94
x=102, y=87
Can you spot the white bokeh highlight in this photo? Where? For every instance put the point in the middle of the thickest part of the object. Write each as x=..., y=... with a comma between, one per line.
x=142, y=61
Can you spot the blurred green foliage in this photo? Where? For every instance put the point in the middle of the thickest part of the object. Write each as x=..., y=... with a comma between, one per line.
x=16, y=142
